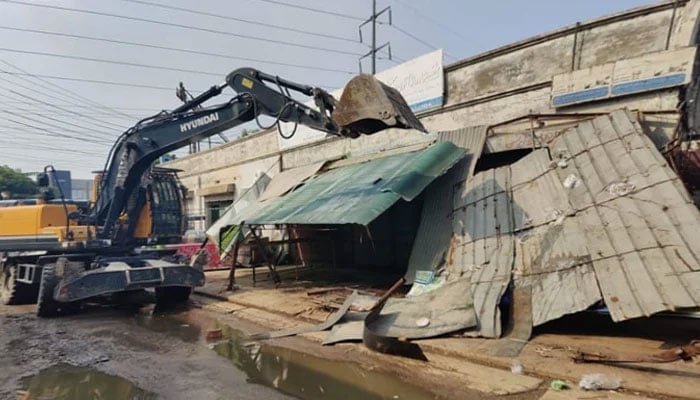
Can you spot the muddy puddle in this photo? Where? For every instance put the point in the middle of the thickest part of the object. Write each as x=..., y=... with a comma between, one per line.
x=311, y=378
x=68, y=382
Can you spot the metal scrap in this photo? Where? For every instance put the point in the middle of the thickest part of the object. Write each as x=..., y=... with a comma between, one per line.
x=686, y=353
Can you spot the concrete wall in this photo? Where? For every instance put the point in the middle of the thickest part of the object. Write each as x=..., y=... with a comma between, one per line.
x=490, y=88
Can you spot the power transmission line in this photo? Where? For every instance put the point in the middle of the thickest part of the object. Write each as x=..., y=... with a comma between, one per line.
x=189, y=51
x=64, y=90
x=419, y=40
x=245, y=21
x=420, y=13
x=52, y=119
x=27, y=130
x=191, y=27
x=316, y=10
x=115, y=62
x=81, y=105
x=94, y=121
x=51, y=126
x=35, y=146
x=51, y=133
x=102, y=82
x=100, y=123
x=45, y=112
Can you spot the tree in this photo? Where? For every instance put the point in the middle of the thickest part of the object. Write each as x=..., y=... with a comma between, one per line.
x=15, y=184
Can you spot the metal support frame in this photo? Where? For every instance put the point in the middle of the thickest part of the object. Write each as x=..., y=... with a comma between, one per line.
x=270, y=264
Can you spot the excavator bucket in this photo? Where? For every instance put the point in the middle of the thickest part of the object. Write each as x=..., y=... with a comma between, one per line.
x=368, y=106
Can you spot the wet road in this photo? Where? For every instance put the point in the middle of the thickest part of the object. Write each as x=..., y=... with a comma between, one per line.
x=103, y=353
x=111, y=354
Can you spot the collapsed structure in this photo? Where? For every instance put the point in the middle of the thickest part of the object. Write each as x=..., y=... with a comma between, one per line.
x=562, y=176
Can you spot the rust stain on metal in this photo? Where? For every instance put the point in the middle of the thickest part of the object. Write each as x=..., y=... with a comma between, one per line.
x=368, y=106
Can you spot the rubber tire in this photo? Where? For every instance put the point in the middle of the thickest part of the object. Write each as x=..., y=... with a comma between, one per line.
x=172, y=295
x=47, y=307
x=8, y=286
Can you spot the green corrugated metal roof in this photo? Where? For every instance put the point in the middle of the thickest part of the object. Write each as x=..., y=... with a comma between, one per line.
x=359, y=193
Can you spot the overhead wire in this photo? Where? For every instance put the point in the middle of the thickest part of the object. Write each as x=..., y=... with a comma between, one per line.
x=188, y=51
x=115, y=62
x=97, y=81
x=419, y=40
x=243, y=20
x=51, y=133
x=10, y=102
x=425, y=16
x=64, y=90
x=93, y=121
x=53, y=119
x=48, y=112
x=34, y=146
x=316, y=10
x=183, y=26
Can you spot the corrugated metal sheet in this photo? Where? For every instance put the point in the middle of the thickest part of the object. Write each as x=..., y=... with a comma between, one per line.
x=232, y=214
x=289, y=179
x=482, y=248
x=636, y=218
x=597, y=215
x=359, y=193
x=432, y=241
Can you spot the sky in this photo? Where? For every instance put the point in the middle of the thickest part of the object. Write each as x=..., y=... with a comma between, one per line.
x=51, y=117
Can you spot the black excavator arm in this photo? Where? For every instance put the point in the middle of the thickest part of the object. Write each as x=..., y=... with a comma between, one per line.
x=257, y=93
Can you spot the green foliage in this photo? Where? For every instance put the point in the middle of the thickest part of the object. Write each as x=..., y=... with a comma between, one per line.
x=15, y=183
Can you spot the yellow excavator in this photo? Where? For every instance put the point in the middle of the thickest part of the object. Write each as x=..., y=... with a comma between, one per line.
x=58, y=254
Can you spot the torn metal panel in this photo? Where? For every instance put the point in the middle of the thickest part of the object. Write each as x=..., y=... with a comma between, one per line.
x=289, y=179
x=597, y=215
x=552, y=260
x=359, y=193
x=482, y=249
x=432, y=241
x=638, y=222
x=232, y=214
x=472, y=139
x=438, y=312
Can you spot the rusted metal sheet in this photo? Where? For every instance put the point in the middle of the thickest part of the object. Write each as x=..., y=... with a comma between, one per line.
x=598, y=215
x=638, y=222
x=432, y=241
x=482, y=246
x=367, y=106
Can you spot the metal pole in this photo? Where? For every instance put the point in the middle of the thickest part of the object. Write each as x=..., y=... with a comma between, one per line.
x=374, y=36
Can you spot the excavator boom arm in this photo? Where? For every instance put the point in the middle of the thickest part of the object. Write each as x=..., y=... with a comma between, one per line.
x=258, y=93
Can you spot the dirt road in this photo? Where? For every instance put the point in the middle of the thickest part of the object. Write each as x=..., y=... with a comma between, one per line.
x=110, y=354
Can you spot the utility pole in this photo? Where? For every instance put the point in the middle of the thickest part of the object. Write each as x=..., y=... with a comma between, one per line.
x=374, y=37
x=374, y=49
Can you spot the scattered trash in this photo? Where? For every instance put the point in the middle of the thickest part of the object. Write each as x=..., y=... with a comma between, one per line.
x=600, y=382
x=685, y=353
x=215, y=334
x=422, y=322
x=559, y=385
x=424, y=282
x=516, y=368
x=620, y=188
x=571, y=181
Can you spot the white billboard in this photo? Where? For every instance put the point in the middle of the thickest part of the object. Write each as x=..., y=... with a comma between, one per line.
x=420, y=81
